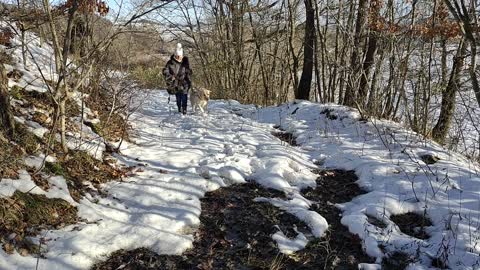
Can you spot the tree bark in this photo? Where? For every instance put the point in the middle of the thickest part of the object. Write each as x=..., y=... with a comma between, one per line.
x=303, y=91
x=291, y=47
x=7, y=123
x=351, y=93
x=467, y=18
x=440, y=131
x=367, y=64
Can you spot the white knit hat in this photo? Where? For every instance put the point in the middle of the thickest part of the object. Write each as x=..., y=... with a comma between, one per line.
x=179, y=50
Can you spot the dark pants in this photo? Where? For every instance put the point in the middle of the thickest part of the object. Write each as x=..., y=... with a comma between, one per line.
x=181, y=101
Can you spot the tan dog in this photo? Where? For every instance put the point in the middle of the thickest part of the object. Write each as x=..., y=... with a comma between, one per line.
x=199, y=99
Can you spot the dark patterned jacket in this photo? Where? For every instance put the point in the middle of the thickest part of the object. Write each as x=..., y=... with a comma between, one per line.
x=178, y=75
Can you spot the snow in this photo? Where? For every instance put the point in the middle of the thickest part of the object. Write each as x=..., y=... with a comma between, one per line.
x=88, y=115
x=84, y=139
x=58, y=188
x=42, y=65
x=289, y=246
x=36, y=128
x=184, y=157
x=299, y=208
x=23, y=184
x=181, y=158
x=37, y=161
x=233, y=144
x=386, y=158
x=367, y=266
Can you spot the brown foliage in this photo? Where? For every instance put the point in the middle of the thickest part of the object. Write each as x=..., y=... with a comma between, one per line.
x=443, y=26
x=87, y=6
x=6, y=36
x=26, y=214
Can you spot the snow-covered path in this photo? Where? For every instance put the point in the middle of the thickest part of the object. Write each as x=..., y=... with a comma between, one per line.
x=179, y=159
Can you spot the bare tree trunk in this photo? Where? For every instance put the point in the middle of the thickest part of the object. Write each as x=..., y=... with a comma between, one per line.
x=258, y=47
x=440, y=130
x=467, y=18
x=373, y=99
x=367, y=64
x=303, y=91
x=351, y=92
x=343, y=80
x=473, y=68
x=291, y=47
x=444, y=62
x=7, y=123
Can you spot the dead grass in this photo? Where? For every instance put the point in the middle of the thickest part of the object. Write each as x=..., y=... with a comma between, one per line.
x=5, y=58
x=13, y=152
x=11, y=160
x=39, y=100
x=45, y=102
x=78, y=167
x=26, y=214
x=26, y=140
x=114, y=129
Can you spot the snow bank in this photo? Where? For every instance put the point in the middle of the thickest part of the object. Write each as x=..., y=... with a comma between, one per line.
x=387, y=160
x=58, y=187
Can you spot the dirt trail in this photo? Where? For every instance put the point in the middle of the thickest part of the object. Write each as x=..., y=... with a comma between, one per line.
x=235, y=232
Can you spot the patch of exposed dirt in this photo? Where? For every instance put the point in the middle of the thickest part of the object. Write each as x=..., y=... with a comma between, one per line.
x=39, y=178
x=143, y=259
x=6, y=36
x=343, y=250
x=376, y=222
x=5, y=57
x=334, y=186
x=40, y=100
x=329, y=114
x=413, y=224
x=235, y=233
x=13, y=151
x=44, y=101
x=285, y=137
x=429, y=159
x=396, y=261
x=26, y=214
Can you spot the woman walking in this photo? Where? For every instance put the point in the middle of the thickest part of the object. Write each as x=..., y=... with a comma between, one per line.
x=178, y=74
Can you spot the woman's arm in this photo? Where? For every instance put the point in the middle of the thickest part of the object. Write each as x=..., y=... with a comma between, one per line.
x=167, y=72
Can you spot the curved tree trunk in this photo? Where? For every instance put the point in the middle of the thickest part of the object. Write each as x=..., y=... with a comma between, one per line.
x=440, y=131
